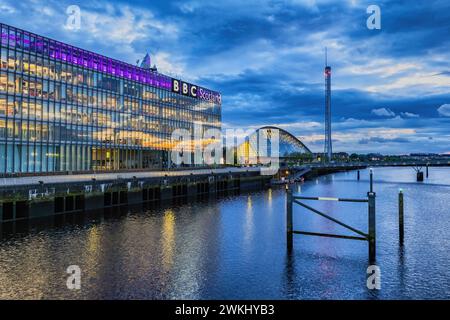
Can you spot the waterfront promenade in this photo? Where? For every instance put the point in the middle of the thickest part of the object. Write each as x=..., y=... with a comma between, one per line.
x=78, y=178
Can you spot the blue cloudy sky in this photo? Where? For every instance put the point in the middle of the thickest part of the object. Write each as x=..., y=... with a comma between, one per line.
x=391, y=87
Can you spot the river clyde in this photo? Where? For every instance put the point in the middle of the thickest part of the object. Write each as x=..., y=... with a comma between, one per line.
x=234, y=247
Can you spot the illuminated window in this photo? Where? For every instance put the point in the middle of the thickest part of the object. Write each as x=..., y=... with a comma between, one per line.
x=3, y=82
x=3, y=105
x=11, y=83
x=11, y=60
x=4, y=58
x=2, y=129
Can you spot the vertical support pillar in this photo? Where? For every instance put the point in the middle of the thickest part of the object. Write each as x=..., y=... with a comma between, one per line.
x=289, y=227
x=371, y=180
x=401, y=228
x=420, y=176
x=427, y=170
x=372, y=227
x=359, y=175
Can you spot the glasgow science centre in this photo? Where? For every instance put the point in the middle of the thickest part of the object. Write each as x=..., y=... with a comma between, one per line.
x=65, y=109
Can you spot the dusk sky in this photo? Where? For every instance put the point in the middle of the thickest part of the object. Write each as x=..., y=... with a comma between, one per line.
x=390, y=87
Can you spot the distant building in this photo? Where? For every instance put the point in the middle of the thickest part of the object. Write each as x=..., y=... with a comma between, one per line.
x=375, y=156
x=341, y=156
x=422, y=155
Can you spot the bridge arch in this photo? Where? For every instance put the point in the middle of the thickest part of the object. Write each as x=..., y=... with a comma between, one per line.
x=288, y=142
x=289, y=145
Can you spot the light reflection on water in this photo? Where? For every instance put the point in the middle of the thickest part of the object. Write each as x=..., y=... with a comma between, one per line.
x=235, y=248
x=168, y=239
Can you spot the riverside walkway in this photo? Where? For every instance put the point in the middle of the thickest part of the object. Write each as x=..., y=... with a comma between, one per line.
x=77, y=178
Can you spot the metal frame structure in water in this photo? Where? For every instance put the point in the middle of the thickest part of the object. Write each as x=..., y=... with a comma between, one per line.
x=370, y=236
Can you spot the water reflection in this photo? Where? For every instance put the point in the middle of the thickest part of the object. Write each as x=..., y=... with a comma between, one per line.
x=248, y=231
x=290, y=276
x=168, y=239
x=235, y=247
x=93, y=241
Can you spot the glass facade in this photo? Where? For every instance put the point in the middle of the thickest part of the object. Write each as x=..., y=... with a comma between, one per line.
x=67, y=109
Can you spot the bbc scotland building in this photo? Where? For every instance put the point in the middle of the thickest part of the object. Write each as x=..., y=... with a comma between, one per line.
x=65, y=109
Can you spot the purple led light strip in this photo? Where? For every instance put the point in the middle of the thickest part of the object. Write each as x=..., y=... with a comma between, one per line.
x=90, y=60
x=87, y=59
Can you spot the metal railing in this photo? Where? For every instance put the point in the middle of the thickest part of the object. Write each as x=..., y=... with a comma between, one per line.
x=369, y=236
x=408, y=163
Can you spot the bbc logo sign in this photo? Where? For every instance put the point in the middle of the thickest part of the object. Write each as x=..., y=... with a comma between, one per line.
x=184, y=88
x=196, y=92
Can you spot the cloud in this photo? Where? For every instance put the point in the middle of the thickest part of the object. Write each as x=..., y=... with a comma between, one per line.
x=123, y=24
x=48, y=11
x=6, y=8
x=444, y=110
x=168, y=65
x=442, y=73
x=382, y=140
x=266, y=58
x=409, y=115
x=383, y=112
x=411, y=83
x=188, y=7
x=382, y=67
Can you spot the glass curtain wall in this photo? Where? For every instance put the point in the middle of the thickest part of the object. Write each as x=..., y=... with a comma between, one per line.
x=66, y=109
